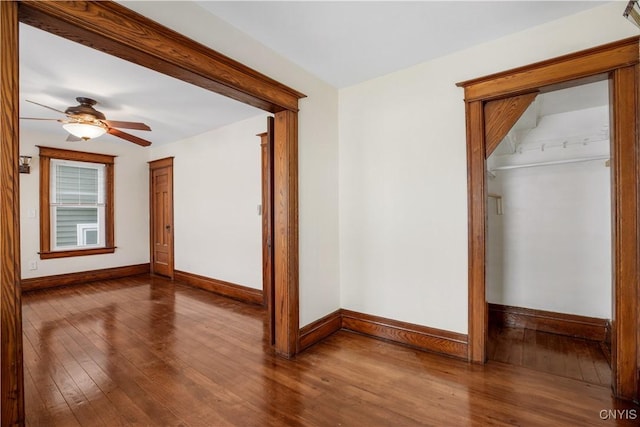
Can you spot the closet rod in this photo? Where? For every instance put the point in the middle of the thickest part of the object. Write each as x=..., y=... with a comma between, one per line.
x=549, y=163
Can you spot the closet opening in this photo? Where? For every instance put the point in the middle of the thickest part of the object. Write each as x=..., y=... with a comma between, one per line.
x=493, y=104
x=548, y=246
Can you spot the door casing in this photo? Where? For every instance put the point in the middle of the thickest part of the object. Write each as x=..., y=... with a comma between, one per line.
x=266, y=149
x=616, y=62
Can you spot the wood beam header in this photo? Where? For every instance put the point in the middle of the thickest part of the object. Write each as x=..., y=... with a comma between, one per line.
x=116, y=30
x=574, y=66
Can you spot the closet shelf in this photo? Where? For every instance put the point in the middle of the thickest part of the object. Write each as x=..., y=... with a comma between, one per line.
x=549, y=163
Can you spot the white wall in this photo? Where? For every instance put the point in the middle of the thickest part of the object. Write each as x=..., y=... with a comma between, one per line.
x=403, y=210
x=551, y=247
x=131, y=220
x=318, y=145
x=217, y=190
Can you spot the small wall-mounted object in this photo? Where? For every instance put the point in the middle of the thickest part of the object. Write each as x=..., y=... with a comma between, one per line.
x=498, y=199
x=632, y=12
x=25, y=164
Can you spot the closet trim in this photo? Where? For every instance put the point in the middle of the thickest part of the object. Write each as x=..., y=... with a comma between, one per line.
x=616, y=62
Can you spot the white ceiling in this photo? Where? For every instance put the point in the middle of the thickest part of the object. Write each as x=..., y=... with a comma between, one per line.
x=340, y=42
x=54, y=71
x=345, y=43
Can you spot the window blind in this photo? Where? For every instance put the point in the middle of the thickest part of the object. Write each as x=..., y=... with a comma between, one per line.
x=77, y=185
x=78, y=204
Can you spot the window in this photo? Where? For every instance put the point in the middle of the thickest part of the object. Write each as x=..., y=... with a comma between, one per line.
x=76, y=203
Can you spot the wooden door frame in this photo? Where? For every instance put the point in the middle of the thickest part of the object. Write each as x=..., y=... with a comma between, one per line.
x=617, y=62
x=166, y=162
x=11, y=372
x=114, y=29
x=266, y=173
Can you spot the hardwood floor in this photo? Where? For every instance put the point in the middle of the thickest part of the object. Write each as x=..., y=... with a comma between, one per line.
x=561, y=355
x=146, y=351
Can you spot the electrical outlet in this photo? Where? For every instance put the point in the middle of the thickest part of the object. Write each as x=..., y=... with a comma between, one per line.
x=33, y=265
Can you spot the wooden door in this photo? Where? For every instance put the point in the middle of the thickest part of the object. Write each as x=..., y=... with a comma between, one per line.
x=266, y=144
x=161, y=216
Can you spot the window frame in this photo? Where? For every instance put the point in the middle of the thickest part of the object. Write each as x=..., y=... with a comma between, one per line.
x=100, y=205
x=46, y=155
x=82, y=229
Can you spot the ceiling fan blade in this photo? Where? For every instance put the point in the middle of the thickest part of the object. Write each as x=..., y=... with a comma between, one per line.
x=38, y=118
x=46, y=106
x=129, y=137
x=126, y=125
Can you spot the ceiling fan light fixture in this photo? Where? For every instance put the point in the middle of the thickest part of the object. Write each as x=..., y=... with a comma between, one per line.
x=85, y=131
x=85, y=122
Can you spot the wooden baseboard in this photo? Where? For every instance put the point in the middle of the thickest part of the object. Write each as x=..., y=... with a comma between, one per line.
x=417, y=336
x=227, y=289
x=590, y=328
x=319, y=330
x=81, y=277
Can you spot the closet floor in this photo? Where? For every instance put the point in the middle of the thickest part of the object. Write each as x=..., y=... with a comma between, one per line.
x=561, y=355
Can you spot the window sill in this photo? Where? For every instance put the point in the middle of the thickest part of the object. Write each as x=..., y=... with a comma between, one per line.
x=76, y=252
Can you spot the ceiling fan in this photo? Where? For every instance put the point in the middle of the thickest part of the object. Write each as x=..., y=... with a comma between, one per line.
x=84, y=122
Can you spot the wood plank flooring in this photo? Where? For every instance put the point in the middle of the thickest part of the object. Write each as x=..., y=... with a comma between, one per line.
x=150, y=352
x=551, y=353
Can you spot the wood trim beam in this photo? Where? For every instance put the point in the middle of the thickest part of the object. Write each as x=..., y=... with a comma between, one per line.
x=266, y=160
x=110, y=208
x=417, y=336
x=500, y=115
x=76, y=156
x=43, y=197
x=625, y=157
x=82, y=277
x=11, y=372
x=220, y=287
x=571, y=325
x=116, y=30
x=76, y=252
x=574, y=66
x=285, y=253
x=161, y=163
x=477, y=194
